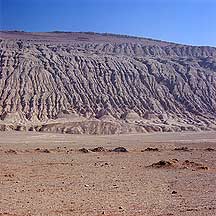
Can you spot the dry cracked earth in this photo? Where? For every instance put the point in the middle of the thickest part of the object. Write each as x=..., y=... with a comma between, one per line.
x=160, y=174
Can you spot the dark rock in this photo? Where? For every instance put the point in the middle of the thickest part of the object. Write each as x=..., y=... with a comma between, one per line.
x=163, y=163
x=11, y=151
x=150, y=149
x=182, y=149
x=120, y=149
x=45, y=151
x=209, y=149
x=99, y=149
x=84, y=150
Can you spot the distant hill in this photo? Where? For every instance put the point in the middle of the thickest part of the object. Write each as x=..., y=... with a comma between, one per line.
x=101, y=83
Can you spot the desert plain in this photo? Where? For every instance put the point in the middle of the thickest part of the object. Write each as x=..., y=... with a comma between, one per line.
x=61, y=174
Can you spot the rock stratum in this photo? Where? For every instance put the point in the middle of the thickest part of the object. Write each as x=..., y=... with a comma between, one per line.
x=90, y=83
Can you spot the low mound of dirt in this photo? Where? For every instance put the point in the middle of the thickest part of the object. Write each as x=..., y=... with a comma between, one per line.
x=175, y=163
x=165, y=164
x=190, y=164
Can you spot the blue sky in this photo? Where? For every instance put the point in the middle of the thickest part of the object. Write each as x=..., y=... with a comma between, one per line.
x=183, y=21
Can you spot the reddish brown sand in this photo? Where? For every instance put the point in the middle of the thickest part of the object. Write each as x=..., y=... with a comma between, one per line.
x=46, y=174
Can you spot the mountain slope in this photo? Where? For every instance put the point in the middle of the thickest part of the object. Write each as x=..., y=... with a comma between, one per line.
x=103, y=83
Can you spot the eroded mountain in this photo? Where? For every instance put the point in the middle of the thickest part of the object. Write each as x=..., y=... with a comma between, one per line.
x=103, y=84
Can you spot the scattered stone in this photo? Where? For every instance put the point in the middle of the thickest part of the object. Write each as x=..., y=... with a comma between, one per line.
x=69, y=150
x=150, y=149
x=99, y=149
x=101, y=164
x=209, y=149
x=84, y=150
x=120, y=149
x=42, y=150
x=187, y=162
x=9, y=175
x=203, y=167
x=190, y=163
x=86, y=185
x=182, y=149
x=174, y=160
x=45, y=151
x=11, y=151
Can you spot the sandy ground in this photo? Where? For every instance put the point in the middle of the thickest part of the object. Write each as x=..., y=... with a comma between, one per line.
x=64, y=181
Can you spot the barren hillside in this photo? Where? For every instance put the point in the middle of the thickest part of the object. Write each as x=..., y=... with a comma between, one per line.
x=104, y=84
